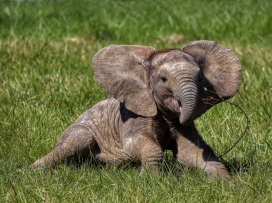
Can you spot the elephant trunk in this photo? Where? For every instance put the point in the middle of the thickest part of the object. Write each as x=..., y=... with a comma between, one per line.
x=188, y=97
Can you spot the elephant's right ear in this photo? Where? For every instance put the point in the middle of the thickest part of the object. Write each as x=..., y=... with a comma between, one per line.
x=119, y=70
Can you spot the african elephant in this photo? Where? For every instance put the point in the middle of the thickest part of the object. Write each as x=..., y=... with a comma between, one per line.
x=155, y=96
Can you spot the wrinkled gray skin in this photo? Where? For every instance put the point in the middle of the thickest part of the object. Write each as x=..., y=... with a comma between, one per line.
x=156, y=95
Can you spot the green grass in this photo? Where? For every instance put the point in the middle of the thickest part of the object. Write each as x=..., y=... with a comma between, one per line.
x=47, y=81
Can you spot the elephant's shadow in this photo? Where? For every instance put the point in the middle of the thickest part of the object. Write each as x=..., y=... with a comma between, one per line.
x=236, y=165
x=169, y=163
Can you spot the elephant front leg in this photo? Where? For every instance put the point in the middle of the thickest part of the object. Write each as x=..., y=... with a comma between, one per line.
x=145, y=149
x=151, y=156
x=190, y=149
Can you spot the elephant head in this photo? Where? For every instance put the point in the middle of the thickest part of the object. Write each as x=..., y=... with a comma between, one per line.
x=175, y=82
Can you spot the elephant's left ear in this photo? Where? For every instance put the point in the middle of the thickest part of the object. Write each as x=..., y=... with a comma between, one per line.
x=122, y=71
x=221, y=73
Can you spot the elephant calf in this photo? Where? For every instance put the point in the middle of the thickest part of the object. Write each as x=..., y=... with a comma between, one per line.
x=156, y=95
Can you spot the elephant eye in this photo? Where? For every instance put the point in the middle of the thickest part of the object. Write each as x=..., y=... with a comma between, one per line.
x=163, y=78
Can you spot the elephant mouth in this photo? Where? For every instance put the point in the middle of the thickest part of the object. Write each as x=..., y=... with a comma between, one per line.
x=177, y=104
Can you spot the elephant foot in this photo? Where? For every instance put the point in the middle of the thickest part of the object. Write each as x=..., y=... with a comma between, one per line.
x=216, y=169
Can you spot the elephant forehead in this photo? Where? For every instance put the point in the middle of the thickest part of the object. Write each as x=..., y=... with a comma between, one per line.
x=175, y=58
x=176, y=66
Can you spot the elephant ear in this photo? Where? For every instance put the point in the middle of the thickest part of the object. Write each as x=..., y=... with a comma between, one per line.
x=120, y=70
x=221, y=73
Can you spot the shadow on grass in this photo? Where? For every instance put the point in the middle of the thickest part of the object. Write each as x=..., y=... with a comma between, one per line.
x=241, y=164
x=169, y=165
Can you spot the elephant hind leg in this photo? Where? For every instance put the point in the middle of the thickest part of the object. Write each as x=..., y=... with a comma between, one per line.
x=76, y=141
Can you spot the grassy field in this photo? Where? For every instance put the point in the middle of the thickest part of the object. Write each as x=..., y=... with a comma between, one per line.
x=47, y=81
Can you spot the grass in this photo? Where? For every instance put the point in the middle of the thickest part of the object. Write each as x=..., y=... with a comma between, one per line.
x=46, y=50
